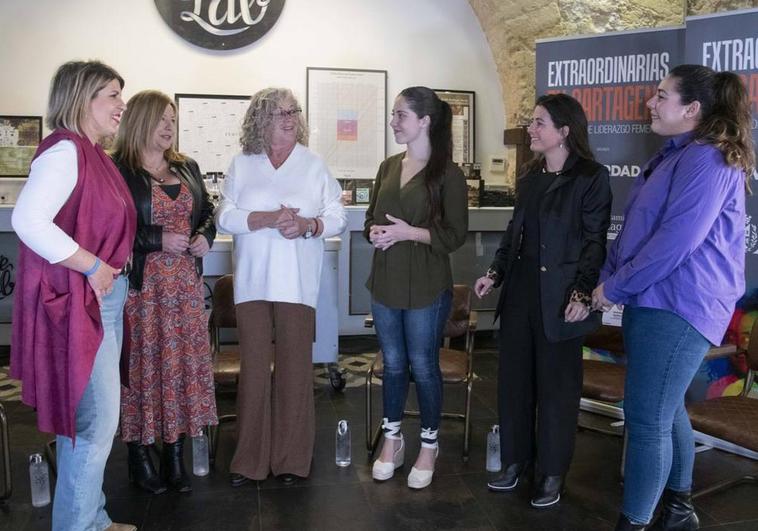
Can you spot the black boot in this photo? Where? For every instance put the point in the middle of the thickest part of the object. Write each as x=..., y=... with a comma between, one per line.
x=172, y=466
x=678, y=513
x=508, y=479
x=548, y=491
x=625, y=525
x=141, y=470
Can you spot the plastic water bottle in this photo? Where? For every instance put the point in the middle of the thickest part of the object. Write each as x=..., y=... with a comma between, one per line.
x=342, y=444
x=493, y=449
x=39, y=478
x=200, y=455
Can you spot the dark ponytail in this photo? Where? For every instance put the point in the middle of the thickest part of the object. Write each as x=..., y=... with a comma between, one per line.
x=725, y=118
x=424, y=102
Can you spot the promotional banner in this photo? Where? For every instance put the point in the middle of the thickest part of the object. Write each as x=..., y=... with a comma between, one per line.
x=613, y=75
x=729, y=41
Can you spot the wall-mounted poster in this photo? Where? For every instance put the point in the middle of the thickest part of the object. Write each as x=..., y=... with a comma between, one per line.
x=347, y=118
x=726, y=41
x=209, y=128
x=19, y=138
x=462, y=104
x=613, y=75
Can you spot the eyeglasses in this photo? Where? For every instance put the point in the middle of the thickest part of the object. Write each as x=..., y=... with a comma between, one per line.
x=280, y=114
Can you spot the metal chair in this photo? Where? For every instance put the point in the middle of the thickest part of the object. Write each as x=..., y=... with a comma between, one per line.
x=456, y=366
x=226, y=362
x=731, y=421
x=5, y=441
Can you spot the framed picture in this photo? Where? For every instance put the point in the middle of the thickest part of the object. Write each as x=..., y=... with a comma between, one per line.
x=347, y=118
x=208, y=128
x=19, y=138
x=462, y=104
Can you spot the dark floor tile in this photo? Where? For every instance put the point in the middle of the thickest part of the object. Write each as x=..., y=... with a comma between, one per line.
x=446, y=504
x=511, y=511
x=236, y=509
x=328, y=508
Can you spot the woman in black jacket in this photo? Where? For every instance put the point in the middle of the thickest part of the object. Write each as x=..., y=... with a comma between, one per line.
x=548, y=262
x=171, y=389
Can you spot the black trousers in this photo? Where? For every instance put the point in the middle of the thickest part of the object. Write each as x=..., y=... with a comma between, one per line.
x=539, y=382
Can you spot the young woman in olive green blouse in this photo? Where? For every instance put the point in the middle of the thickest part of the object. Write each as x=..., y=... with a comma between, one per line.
x=417, y=217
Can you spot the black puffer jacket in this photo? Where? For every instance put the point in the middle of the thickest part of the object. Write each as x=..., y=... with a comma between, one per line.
x=149, y=237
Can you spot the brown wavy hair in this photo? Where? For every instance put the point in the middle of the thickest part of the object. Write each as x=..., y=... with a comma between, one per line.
x=143, y=113
x=256, y=126
x=725, y=117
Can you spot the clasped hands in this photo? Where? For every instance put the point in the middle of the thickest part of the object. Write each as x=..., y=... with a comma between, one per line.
x=383, y=237
x=287, y=222
x=197, y=246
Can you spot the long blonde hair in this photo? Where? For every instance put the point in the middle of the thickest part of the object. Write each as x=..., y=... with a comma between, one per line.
x=75, y=84
x=143, y=112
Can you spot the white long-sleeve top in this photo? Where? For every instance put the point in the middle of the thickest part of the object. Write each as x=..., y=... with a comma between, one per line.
x=267, y=266
x=52, y=179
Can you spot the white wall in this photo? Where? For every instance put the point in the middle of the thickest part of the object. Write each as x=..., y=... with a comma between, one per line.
x=437, y=43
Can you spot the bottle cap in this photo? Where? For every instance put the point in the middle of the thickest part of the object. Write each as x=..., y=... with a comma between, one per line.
x=342, y=426
x=35, y=458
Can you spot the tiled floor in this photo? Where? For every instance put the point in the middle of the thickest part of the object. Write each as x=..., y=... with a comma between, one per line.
x=348, y=499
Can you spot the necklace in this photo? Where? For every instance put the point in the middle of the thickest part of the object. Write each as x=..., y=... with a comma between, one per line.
x=556, y=173
x=155, y=172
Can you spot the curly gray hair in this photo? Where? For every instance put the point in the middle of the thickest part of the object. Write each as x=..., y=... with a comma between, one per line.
x=256, y=127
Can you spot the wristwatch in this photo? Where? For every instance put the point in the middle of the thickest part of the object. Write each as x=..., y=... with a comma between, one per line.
x=309, y=230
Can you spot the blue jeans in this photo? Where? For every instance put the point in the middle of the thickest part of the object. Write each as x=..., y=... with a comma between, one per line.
x=410, y=342
x=79, y=500
x=664, y=352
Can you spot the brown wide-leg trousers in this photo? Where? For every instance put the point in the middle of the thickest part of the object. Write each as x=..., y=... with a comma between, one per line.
x=275, y=412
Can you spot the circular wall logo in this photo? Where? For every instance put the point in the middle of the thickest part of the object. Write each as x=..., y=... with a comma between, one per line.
x=220, y=24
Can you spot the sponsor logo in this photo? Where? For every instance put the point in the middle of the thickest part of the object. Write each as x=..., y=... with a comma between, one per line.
x=220, y=24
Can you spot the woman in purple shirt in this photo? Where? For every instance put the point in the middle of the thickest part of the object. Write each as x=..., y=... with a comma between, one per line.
x=678, y=269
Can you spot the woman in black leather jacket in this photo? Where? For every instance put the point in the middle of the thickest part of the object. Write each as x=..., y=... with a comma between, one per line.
x=548, y=264
x=170, y=391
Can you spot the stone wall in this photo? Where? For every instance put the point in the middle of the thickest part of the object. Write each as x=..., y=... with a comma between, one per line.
x=512, y=26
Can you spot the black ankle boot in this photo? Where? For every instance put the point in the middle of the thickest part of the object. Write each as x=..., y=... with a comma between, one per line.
x=625, y=525
x=548, y=491
x=678, y=513
x=172, y=466
x=141, y=470
x=508, y=480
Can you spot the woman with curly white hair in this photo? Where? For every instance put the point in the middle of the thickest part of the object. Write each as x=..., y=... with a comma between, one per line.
x=279, y=201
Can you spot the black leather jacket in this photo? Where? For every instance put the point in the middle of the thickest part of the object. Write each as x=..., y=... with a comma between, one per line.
x=574, y=215
x=149, y=237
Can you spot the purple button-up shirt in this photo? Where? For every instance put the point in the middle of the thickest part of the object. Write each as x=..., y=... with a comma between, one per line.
x=682, y=247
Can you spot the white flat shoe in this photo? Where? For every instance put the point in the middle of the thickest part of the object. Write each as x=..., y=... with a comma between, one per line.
x=420, y=479
x=382, y=471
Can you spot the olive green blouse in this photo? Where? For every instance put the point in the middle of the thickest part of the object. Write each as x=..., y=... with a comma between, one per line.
x=412, y=274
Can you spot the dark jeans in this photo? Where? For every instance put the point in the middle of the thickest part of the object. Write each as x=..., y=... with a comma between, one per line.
x=410, y=342
x=539, y=382
x=664, y=352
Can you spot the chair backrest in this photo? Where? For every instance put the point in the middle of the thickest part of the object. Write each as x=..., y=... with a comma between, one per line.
x=752, y=348
x=460, y=311
x=223, y=313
